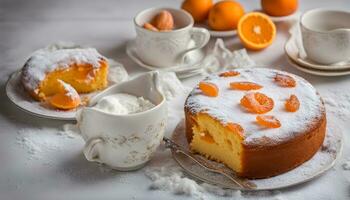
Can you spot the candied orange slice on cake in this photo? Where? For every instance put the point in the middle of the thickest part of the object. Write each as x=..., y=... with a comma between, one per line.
x=268, y=121
x=244, y=85
x=284, y=80
x=257, y=103
x=229, y=74
x=292, y=104
x=66, y=98
x=209, y=89
x=236, y=128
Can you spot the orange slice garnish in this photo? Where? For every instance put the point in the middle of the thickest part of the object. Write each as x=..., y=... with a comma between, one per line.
x=229, y=74
x=236, y=128
x=244, y=85
x=209, y=89
x=256, y=30
x=257, y=103
x=284, y=80
x=292, y=104
x=268, y=121
x=67, y=98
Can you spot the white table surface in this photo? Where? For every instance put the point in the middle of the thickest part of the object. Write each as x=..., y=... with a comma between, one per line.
x=26, y=25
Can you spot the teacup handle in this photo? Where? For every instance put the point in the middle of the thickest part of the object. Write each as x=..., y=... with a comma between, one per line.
x=90, y=150
x=200, y=36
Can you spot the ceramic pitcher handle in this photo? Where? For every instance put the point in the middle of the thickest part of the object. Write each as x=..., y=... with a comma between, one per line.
x=200, y=36
x=90, y=149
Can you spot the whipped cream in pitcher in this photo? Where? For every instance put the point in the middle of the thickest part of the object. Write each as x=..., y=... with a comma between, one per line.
x=122, y=104
x=124, y=125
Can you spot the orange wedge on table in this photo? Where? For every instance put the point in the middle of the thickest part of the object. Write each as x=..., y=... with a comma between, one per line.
x=256, y=31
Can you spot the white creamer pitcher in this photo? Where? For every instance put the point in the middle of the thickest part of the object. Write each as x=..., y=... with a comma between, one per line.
x=124, y=142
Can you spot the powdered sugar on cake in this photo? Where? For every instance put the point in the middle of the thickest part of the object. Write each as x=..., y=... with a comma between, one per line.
x=226, y=107
x=49, y=59
x=70, y=91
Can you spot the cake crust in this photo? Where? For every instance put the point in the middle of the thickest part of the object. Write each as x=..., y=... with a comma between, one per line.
x=265, y=156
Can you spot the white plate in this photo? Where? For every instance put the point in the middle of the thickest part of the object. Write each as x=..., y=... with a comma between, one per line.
x=316, y=71
x=284, y=18
x=16, y=93
x=216, y=33
x=190, y=68
x=322, y=161
x=292, y=50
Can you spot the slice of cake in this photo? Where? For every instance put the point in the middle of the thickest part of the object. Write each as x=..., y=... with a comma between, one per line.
x=83, y=68
x=259, y=122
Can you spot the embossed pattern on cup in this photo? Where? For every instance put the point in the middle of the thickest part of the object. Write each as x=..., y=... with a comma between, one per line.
x=166, y=48
x=124, y=142
x=326, y=35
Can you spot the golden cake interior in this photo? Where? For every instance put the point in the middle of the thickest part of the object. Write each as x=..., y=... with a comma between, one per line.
x=83, y=77
x=217, y=142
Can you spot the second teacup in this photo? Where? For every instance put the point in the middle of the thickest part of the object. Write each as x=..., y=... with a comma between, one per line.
x=326, y=35
x=167, y=48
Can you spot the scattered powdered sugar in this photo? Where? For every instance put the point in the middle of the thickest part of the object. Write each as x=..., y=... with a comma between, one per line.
x=226, y=107
x=338, y=103
x=56, y=56
x=70, y=91
x=165, y=174
x=38, y=141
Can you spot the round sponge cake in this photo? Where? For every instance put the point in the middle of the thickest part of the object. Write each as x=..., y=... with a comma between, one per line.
x=259, y=151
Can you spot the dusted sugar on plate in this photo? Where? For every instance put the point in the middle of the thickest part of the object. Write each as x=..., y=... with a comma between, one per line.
x=259, y=122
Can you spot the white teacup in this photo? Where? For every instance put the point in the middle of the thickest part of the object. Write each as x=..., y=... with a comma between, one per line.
x=124, y=142
x=326, y=35
x=167, y=48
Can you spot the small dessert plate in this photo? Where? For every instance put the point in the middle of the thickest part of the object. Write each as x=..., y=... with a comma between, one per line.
x=191, y=66
x=317, y=71
x=19, y=97
x=216, y=33
x=322, y=161
x=292, y=50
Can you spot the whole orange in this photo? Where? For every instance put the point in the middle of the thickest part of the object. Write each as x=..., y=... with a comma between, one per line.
x=199, y=9
x=279, y=7
x=225, y=15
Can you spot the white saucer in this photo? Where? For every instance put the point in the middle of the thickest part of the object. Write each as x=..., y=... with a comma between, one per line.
x=284, y=18
x=16, y=93
x=322, y=161
x=191, y=67
x=216, y=33
x=317, y=71
x=292, y=50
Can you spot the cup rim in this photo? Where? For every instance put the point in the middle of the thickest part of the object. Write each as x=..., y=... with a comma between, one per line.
x=157, y=106
x=302, y=17
x=188, y=15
